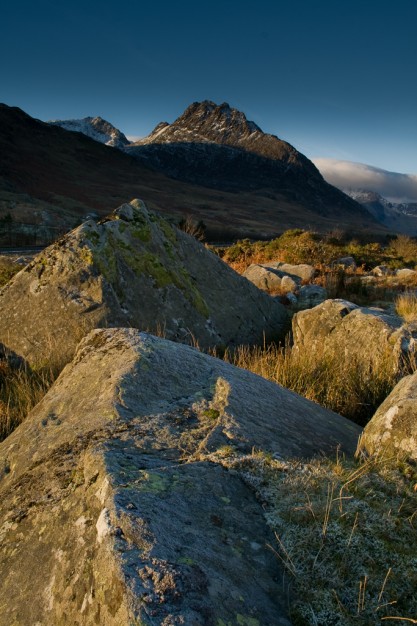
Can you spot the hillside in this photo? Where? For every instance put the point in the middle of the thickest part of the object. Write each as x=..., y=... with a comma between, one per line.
x=48, y=174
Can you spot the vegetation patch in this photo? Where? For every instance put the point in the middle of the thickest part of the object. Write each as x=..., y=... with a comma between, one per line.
x=7, y=270
x=346, y=534
x=21, y=388
x=406, y=306
x=337, y=382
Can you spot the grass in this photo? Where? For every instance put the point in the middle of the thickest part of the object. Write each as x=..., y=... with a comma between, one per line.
x=406, y=306
x=346, y=536
x=335, y=381
x=21, y=388
x=7, y=270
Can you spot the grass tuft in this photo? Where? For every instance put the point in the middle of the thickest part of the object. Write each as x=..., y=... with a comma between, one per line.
x=20, y=390
x=406, y=306
x=335, y=381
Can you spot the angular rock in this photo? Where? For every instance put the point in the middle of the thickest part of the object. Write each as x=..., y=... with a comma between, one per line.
x=392, y=431
x=381, y=270
x=133, y=269
x=288, y=284
x=310, y=296
x=366, y=334
x=303, y=270
x=113, y=493
x=263, y=277
x=348, y=262
x=406, y=274
x=278, y=277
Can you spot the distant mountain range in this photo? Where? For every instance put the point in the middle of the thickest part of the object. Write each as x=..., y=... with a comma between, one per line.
x=399, y=217
x=211, y=163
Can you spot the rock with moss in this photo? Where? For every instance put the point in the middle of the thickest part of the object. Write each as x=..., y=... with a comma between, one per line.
x=114, y=491
x=133, y=269
x=392, y=431
x=366, y=334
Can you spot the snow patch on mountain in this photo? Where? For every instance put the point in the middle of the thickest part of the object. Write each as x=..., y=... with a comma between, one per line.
x=96, y=128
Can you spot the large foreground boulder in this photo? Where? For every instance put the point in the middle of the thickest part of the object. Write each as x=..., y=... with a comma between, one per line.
x=115, y=507
x=134, y=269
x=392, y=431
x=368, y=335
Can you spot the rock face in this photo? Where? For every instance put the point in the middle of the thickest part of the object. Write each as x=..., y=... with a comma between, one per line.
x=124, y=454
x=392, y=431
x=342, y=327
x=134, y=269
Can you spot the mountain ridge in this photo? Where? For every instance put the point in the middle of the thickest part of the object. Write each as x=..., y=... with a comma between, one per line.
x=236, y=193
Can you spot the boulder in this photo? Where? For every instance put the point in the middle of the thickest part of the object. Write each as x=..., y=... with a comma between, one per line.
x=406, y=275
x=303, y=271
x=381, y=270
x=392, y=431
x=288, y=284
x=363, y=333
x=348, y=262
x=132, y=269
x=115, y=507
x=310, y=296
x=263, y=278
x=277, y=277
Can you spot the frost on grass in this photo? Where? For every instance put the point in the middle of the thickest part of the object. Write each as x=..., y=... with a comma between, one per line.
x=346, y=535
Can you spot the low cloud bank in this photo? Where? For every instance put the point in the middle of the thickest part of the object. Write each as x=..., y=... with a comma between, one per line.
x=393, y=186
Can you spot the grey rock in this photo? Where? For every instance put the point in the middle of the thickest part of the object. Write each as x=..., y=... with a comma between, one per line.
x=348, y=262
x=133, y=269
x=406, y=274
x=392, y=431
x=263, y=277
x=113, y=492
x=310, y=296
x=381, y=270
x=303, y=271
x=364, y=333
x=278, y=277
x=288, y=284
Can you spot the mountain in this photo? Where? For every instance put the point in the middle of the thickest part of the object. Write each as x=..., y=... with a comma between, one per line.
x=400, y=217
x=49, y=175
x=217, y=147
x=95, y=128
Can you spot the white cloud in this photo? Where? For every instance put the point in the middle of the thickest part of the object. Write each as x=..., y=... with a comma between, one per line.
x=347, y=175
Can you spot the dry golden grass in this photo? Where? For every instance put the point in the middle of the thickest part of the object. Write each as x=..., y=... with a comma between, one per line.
x=406, y=306
x=337, y=382
x=21, y=388
x=7, y=270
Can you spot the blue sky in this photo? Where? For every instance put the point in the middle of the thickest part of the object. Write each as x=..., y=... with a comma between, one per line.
x=336, y=79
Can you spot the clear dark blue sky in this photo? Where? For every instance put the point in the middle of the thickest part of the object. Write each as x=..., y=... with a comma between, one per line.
x=335, y=78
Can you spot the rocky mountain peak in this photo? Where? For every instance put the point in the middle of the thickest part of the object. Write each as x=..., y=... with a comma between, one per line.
x=96, y=128
x=204, y=122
